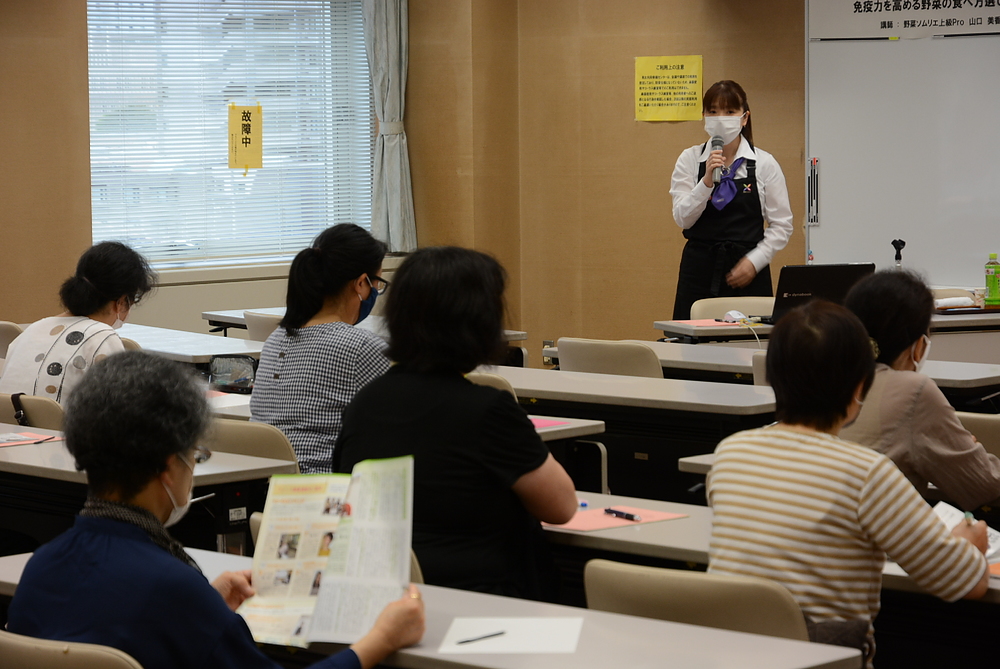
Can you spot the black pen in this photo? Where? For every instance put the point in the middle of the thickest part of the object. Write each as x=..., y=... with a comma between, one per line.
x=42, y=441
x=622, y=514
x=480, y=638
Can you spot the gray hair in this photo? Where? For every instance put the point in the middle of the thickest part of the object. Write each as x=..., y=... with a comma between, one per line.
x=128, y=414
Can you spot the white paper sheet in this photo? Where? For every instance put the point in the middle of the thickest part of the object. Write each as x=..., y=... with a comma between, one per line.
x=520, y=635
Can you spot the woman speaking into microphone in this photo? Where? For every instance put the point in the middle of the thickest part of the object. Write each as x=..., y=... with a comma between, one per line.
x=723, y=193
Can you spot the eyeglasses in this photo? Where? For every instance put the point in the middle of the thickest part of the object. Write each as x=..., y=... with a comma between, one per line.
x=201, y=454
x=381, y=288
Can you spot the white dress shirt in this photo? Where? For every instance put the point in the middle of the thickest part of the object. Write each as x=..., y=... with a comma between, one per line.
x=691, y=195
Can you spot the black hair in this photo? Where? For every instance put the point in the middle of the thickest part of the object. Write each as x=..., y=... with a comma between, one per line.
x=817, y=355
x=128, y=414
x=729, y=94
x=445, y=311
x=105, y=273
x=895, y=307
x=338, y=255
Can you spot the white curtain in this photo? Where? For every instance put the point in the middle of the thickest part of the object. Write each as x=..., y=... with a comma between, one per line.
x=387, y=46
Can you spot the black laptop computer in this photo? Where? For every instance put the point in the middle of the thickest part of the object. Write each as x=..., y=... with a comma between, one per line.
x=797, y=284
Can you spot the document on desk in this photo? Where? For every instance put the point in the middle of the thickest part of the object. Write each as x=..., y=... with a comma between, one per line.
x=331, y=545
x=512, y=635
x=952, y=516
x=22, y=438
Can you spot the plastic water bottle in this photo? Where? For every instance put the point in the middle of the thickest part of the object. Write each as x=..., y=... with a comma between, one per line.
x=993, y=282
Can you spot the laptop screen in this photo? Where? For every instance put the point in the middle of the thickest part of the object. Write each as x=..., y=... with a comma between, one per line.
x=797, y=284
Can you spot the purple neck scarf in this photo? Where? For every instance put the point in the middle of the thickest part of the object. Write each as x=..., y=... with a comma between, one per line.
x=726, y=190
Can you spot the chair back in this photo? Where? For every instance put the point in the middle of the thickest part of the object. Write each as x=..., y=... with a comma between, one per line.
x=228, y=435
x=8, y=333
x=259, y=325
x=759, y=362
x=416, y=573
x=491, y=380
x=740, y=603
x=608, y=357
x=985, y=427
x=43, y=412
x=130, y=344
x=716, y=307
x=26, y=652
x=942, y=293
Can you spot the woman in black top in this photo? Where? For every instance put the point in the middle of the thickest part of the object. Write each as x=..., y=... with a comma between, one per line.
x=483, y=477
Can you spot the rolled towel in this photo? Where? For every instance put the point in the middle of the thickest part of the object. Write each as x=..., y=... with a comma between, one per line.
x=952, y=302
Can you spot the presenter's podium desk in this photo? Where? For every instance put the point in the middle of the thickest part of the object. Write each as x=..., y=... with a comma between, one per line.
x=649, y=423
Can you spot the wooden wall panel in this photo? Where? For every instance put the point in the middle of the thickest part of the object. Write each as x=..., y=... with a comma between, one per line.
x=45, y=169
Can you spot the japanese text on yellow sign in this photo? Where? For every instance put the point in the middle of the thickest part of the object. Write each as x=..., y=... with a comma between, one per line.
x=246, y=126
x=668, y=88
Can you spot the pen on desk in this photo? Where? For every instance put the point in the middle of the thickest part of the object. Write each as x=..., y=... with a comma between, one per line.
x=622, y=514
x=969, y=518
x=42, y=441
x=480, y=638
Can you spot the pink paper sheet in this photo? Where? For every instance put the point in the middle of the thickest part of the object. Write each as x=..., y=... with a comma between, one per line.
x=539, y=423
x=587, y=520
x=29, y=438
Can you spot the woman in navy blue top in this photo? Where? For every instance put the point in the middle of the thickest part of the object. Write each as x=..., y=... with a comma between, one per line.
x=117, y=578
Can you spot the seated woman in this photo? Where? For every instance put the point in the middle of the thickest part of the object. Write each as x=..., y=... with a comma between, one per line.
x=794, y=503
x=483, y=477
x=51, y=356
x=906, y=416
x=117, y=578
x=316, y=360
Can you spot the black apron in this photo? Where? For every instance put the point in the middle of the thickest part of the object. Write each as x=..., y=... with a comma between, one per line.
x=719, y=240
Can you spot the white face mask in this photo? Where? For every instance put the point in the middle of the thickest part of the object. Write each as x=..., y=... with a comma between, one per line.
x=179, y=511
x=726, y=127
x=118, y=323
x=927, y=353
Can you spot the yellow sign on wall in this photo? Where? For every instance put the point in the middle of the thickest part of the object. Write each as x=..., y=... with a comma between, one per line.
x=246, y=130
x=668, y=88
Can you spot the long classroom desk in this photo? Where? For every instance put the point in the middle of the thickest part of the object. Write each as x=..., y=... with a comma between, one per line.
x=606, y=639
x=41, y=492
x=649, y=423
x=187, y=347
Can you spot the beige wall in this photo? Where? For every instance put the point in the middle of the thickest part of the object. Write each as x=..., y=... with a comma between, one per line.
x=45, y=162
x=598, y=249
x=522, y=135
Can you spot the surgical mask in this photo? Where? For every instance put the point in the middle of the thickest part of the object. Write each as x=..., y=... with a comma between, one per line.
x=726, y=127
x=179, y=511
x=927, y=353
x=367, y=304
x=118, y=323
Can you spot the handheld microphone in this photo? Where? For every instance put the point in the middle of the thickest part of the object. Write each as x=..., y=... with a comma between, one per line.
x=717, y=145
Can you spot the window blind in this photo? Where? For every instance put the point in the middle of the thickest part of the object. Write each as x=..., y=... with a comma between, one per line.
x=162, y=74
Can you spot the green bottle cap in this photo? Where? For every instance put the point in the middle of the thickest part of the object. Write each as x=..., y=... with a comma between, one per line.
x=993, y=256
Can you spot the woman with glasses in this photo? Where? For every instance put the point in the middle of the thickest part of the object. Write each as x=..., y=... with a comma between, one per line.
x=117, y=578
x=482, y=476
x=316, y=360
x=50, y=357
x=906, y=416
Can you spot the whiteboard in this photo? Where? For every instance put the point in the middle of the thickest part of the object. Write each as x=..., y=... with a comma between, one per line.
x=907, y=134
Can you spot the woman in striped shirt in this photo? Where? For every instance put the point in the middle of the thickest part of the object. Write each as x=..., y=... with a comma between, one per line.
x=796, y=504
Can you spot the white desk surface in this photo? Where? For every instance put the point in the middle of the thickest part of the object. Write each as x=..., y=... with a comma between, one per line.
x=736, y=360
x=696, y=464
x=51, y=460
x=721, y=330
x=238, y=407
x=189, y=347
x=234, y=318
x=983, y=321
x=606, y=640
x=669, y=394
x=682, y=539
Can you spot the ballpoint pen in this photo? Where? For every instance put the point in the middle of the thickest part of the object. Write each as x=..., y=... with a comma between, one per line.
x=480, y=638
x=622, y=514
